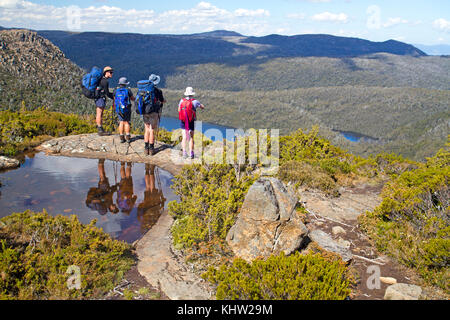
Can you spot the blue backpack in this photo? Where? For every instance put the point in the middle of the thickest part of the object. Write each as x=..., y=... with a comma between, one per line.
x=122, y=100
x=145, y=98
x=90, y=82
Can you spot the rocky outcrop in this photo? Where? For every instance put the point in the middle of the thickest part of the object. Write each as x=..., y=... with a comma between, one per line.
x=348, y=206
x=403, y=291
x=109, y=147
x=36, y=73
x=268, y=223
x=161, y=268
x=325, y=241
x=8, y=163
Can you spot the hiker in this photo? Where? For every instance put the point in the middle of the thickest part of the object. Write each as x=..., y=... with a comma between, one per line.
x=151, y=208
x=149, y=102
x=125, y=194
x=101, y=94
x=100, y=198
x=122, y=101
x=187, y=109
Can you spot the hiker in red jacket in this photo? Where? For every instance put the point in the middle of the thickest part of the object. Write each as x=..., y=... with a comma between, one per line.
x=187, y=114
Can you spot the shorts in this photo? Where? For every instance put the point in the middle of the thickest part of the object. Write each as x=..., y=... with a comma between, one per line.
x=151, y=119
x=125, y=116
x=190, y=124
x=100, y=103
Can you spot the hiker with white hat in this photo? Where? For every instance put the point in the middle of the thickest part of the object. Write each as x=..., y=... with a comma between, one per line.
x=187, y=109
x=122, y=102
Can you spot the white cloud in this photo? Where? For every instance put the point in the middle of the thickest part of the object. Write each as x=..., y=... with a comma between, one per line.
x=297, y=16
x=251, y=13
x=331, y=17
x=394, y=21
x=11, y=4
x=442, y=24
x=203, y=17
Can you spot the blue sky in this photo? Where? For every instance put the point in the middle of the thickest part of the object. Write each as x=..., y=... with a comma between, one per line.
x=418, y=22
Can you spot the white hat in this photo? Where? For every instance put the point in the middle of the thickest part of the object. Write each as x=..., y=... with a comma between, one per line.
x=154, y=78
x=189, y=92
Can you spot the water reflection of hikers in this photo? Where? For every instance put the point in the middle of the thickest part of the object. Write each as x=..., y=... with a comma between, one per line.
x=151, y=208
x=101, y=198
x=187, y=114
x=125, y=197
x=122, y=101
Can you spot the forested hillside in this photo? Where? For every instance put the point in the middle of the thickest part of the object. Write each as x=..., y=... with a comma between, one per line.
x=407, y=121
x=35, y=73
x=375, y=70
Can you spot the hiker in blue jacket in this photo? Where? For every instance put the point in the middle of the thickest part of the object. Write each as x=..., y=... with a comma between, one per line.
x=122, y=101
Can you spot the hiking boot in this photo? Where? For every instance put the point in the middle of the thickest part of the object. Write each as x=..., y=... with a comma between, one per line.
x=147, y=151
x=152, y=151
x=122, y=139
x=192, y=155
x=102, y=132
x=128, y=138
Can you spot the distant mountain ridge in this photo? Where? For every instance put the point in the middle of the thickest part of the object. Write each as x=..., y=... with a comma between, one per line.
x=138, y=55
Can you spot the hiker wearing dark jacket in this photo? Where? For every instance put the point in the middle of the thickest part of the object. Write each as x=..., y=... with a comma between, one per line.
x=102, y=93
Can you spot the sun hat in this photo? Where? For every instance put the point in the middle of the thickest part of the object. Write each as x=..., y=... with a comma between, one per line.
x=189, y=92
x=123, y=81
x=106, y=69
x=154, y=78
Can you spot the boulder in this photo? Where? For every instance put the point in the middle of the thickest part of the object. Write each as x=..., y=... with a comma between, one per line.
x=388, y=280
x=8, y=163
x=325, y=241
x=338, y=230
x=403, y=291
x=268, y=222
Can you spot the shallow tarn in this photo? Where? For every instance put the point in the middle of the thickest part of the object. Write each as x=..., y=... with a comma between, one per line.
x=125, y=198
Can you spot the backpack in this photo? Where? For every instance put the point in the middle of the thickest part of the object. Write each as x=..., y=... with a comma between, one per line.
x=90, y=82
x=121, y=100
x=146, y=98
x=187, y=110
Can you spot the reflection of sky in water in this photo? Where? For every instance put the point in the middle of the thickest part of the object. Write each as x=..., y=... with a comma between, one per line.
x=61, y=185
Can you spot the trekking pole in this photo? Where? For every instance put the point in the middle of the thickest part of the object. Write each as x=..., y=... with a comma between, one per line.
x=129, y=145
x=159, y=121
x=112, y=113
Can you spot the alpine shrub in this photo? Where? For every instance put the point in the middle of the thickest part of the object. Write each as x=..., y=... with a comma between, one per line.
x=294, y=277
x=37, y=249
x=210, y=197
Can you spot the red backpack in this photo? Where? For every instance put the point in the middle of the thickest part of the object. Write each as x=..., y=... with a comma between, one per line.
x=187, y=110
